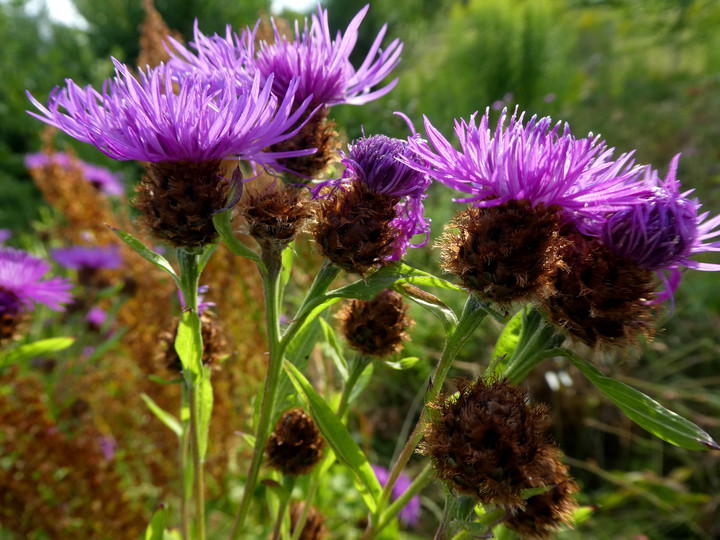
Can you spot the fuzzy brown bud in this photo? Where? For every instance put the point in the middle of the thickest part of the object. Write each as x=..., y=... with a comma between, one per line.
x=353, y=228
x=314, y=528
x=295, y=445
x=275, y=213
x=177, y=200
x=505, y=253
x=376, y=327
x=214, y=344
x=488, y=442
x=601, y=299
x=318, y=132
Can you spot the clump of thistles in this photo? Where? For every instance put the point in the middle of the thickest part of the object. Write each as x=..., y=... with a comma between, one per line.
x=22, y=286
x=376, y=327
x=295, y=445
x=368, y=217
x=489, y=442
x=524, y=181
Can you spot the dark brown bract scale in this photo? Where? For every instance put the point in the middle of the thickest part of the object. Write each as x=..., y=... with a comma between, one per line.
x=488, y=442
x=376, y=327
x=295, y=445
x=318, y=132
x=215, y=346
x=601, y=298
x=353, y=228
x=275, y=213
x=314, y=528
x=505, y=253
x=545, y=513
x=177, y=200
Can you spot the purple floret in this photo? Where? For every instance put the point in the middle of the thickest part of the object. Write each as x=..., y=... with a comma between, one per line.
x=21, y=283
x=410, y=514
x=93, y=257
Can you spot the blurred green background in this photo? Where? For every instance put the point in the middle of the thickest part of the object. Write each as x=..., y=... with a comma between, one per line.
x=643, y=73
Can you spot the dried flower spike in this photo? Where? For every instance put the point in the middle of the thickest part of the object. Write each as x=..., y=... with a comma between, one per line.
x=314, y=528
x=295, y=445
x=488, y=442
x=376, y=327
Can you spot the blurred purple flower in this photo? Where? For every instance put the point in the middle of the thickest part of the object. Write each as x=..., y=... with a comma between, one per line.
x=665, y=230
x=106, y=181
x=5, y=235
x=375, y=161
x=148, y=120
x=411, y=513
x=96, y=317
x=202, y=304
x=21, y=283
x=531, y=161
x=108, y=445
x=88, y=257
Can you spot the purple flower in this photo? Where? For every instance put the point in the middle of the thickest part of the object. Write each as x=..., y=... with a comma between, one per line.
x=202, y=304
x=82, y=257
x=21, y=283
x=96, y=317
x=376, y=162
x=665, y=230
x=106, y=181
x=411, y=513
x=5, y=235
x=532, y=161
x=167, y=116
x=108, y=445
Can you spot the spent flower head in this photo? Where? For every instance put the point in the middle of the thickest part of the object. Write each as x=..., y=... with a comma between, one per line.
x=103, y=179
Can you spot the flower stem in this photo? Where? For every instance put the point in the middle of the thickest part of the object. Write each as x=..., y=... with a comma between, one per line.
x=422, y=480
x=184, y=464
x=356, y=369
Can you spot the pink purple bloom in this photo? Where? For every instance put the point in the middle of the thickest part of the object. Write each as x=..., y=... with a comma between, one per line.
x=533, y=161
x=5, y=235
x=165, y=116
x=21, y=283
x=411, y=513
x=664, y=230
x=106, y=181
x=376, y=162
x=96, y=317
x=84, y=257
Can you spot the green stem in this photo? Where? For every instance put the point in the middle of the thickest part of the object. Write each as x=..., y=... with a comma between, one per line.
x=197, y=462
x=417, y=485
x=288, y=484
x=184, y=464
x=271, y=283
x=473, y=313
x=356, y=370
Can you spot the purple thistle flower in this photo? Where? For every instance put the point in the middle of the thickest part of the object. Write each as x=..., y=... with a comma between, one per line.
x=21, y=283
x=411, y=513
x=96, y=317
x=5, y=235
x=88, y=257
x=106, y=181
x=664, y=231
x=202, y=304
x=532, y=161
x=147, y=120
x=323, y=64
x=381, y=163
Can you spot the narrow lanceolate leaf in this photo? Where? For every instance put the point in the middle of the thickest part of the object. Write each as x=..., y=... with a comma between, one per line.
x=643, y=410
x=430, y=302
x=221, y=221
x=36, y=349
x=337, y=435
x=156, y=528
x=404, y=363
x=334, y=350
x=205, y=397
x=188, y=344
x=146, y=253
x=165, y=417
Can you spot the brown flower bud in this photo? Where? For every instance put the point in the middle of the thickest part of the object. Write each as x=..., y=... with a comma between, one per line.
x=488, y=442
x=505, y=253
x=295, y=445
x=177, y=201
x=353, y=228
x=601, y=299
x=376, y=327
x=314, y=528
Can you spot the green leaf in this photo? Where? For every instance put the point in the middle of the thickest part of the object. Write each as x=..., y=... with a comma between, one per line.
x=582, y=514
x=362, y=382
x=165, y=417
x=36, y=349
x=433, y=304
x=643, y=410
x=287, y=256
x=334, y=350
x=158, y=523
x=146, y=253
x=404, y=363
x=107, y=345
x=205, y=396
x=509, y=337
x=337, y=435
x=160, y=380
x=207, y=252
x=221, y=220
x=188, y=345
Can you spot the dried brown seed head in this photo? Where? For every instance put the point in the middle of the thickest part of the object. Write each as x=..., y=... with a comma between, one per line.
x=295, y=445
x=314, y=528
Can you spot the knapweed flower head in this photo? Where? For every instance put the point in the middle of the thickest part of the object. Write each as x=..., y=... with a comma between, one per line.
x=106, y=181
x=376, y=206
x=664, y=230
x=22, y=286
x=376, y=327
x=295, y=445
x=488, y=441
x=410, y=514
